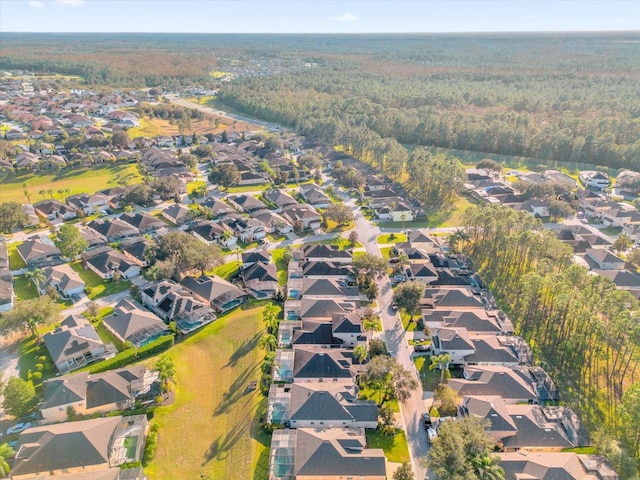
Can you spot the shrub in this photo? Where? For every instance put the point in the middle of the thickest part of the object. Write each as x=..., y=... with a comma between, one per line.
x=48, y=367
x=151, y=445
x=42, y=359
x=127, y=357
x=39, y=367
x=37, y=377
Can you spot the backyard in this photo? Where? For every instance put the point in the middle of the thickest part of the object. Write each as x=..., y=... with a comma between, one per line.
x=95, y=286
x=75, y=180
x=212, y=429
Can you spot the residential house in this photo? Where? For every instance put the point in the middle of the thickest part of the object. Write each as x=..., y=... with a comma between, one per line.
x=328, y=288
x=479, y=320
x=423, y=241
x=304, y=214
x=323, y=269
x=139, y=250
x=528, y=427
x=88, y=446
x=324, y=453
x=320, y=405
x=514, y=385
x=551, y=466
x=628, y=184
x=454, y=341
x=622, y=279
x=595, y=180
x=114, y=195
x=74, y=344
x=251, y=258
x=318, y=364
x=30, y=212
x=246, y=203
x=261, y=280
x=420, y=272
x=211, y=232
x=245, y=229
x=451, y=298
x=114, y=230
x=314, y=195
x=604, y=259
x=89, y=204
x=39, y=252
x=88, y=394
x=130, y=323
x=221, y=295
x=217, y=207
x=280, y=199
x=621, y=216
x=105, y=261
x=252, y=178
x=93, y=238
x=178, y=214
x=534, y=207
x=273, y=223
x=64, y=279
x=173, y=302
x=344, y=329
x=55, y=210
x=323, y=253
x=143, y=222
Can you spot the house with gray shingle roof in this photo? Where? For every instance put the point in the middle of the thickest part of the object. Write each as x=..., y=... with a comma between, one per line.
x=130, y=323
x=216, y=292
x=92, y=446
x=64, y=279
x=314, y=404
x=89, y=394
x=527, y=465
x=261, y=280
x=37, y=253
x=105, y=261
x=309, y=453
x=318, y=364
x=113, y=230
x=74, y=344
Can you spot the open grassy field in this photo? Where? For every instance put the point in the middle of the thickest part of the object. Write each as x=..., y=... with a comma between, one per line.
x=212, y=429
x=152, y=127
x=77, y=180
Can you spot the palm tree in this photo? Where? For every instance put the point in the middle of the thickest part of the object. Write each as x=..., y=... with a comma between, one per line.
x=457, y=237
x=6, y=452
x=166, y=371
x=360, y=352
x=36, y=276
x=42, y=193
x=487, y=467
x=440, y=362
x=269, y=342
x=270, y=317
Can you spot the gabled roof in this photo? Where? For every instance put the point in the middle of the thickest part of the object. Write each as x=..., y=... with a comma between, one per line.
x=74, y=335
x=64, y=276
x=133, y=324
x=325, y=308
x=311, y=252
x=280, y=198
x=453, y=339
x=346, y=323
x=315, y=362
x=213, y=289
x=264, y=272
x=110, y=259
x=263, y=255
x=142, y=221
x=525, y=465
x=325, y=269
x=115, y=228
x=31, y=250
x=509, y=383
x=324, y=401
x=451, y=298
x=65, y=446
x=336, y=452
x=327, y=287
x=247, y=202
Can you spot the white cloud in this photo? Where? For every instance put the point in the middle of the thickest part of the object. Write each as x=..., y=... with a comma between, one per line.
x=71, y=3
x=346, y=17
x=35, y=4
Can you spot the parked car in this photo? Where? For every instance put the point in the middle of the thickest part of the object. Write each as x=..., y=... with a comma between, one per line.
x=421, y=348
x=426, y=421
x=18, y=427
x=431, y=434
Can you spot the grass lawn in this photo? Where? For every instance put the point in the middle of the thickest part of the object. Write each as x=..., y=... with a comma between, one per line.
x=405, y=317
x=106, y=336
x=30, y=351
x=394, y=446
x=611, y=231
x=429, y=378
x=228, y=269
x=97, y=287
x=386, y=252
x=24, y=288
x=212, y=429
x=77, y=180
x=392, y=238
x=15, y=260
x=422, y=223
x=455, y=219
x=248, y=188
x=277, y=256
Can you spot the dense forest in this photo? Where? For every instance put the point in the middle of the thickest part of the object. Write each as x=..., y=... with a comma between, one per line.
x=563, y=97
x=584, y=328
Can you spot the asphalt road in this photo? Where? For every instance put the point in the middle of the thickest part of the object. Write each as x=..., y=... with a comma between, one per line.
x=397, y=344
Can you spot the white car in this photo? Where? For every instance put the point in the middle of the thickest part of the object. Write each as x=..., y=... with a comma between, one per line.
x=18, y=427
x=432, y=434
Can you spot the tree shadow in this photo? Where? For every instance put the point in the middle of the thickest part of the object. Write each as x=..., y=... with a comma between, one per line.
x=236, y=391
x=245, y=348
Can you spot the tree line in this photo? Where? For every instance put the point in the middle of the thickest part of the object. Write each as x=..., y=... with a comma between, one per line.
x=584, y=330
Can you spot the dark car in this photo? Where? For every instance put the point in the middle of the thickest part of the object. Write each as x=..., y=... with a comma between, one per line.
x=426, y=421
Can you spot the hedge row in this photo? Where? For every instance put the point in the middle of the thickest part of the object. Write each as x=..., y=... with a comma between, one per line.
x=131, y=355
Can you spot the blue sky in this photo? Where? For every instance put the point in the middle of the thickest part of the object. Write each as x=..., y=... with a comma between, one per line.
x=315, y=16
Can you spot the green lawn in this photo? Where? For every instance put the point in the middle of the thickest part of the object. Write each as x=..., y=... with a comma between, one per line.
x=277, y=257
x=405, y=317
x=394, y=446
x=212, y=429
x=97, y=287
x=107, y=337
x=386, y=252
x=77, y=180
x=24, y=288
x=392, y=238
x=248, y=188
x=15, y=260
x=30, y=352
x=429, y=378
x=228, y=269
